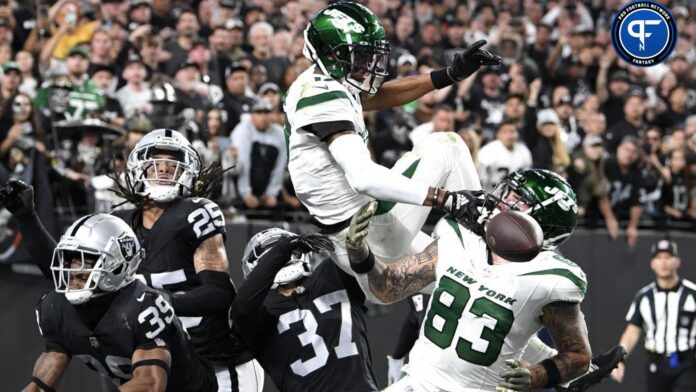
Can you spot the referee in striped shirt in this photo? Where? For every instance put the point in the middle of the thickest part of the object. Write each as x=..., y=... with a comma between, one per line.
x=666, y=311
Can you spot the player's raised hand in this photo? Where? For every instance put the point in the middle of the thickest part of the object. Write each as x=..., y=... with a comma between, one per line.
x=515, y=378
x=357, y=232
x=464, y=207
x=311, y=243
x=467, y=62
x=17, y=197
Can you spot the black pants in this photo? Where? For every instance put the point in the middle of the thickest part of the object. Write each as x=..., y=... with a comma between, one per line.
x=661, y=377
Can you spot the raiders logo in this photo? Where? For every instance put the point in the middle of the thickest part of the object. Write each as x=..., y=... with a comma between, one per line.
x=127, y=246
x=94, y=342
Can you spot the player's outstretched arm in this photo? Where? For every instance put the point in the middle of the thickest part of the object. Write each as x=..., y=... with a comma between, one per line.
x=18, y=198
x=394, y=281
x=47, y=371
x=150, y=371
x=403, y=90
x=216, y=292
x=568, y=330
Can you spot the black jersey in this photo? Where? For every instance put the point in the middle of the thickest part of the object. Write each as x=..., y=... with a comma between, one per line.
x=137, y=317
x=417, y=306
x=168, y=265
x=316, y=339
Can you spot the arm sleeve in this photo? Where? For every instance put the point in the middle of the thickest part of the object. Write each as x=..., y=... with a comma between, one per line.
x=408, y=334
x=156, y=324
x=213, y=296
x=50, y=343
x=246, y=313
x=367, y=177
x=42, y=244
x=276, y=181
x=240, y=140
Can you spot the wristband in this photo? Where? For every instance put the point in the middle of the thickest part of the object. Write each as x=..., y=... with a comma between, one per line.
x=365, y=266
x=553, y=376
x=42, y=384
x=441, y=78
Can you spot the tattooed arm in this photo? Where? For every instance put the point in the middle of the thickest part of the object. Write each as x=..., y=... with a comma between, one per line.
x=394, y=281
x=216, y=292
x=566, y=325
x=408, y=275
x=48, y=370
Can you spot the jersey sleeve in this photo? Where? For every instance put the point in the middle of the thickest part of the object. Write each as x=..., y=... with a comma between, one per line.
x=204, y=219
x=156, y=324
x=324, y=110
x=43, y=320
x=569, y=283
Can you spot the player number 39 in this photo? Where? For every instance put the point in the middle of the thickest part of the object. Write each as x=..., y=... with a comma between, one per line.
x=157, y=316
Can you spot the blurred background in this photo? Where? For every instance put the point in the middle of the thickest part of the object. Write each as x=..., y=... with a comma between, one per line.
x=81, y=81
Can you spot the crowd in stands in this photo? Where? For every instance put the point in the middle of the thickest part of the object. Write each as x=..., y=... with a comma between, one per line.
x=83, y=80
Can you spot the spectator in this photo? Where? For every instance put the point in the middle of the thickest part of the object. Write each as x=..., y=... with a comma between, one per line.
x=139, y=14
x=613, y=96
x=563, y=106
x=502, y=156
x=261, y=157
x=211, y=69
x=548, y=150
x=654, y=173
x=101, y=48
x=235, y=101
x=190, y=91
x=442, y=121
x=675, y=191
x=29, y=73
x=540, y=50
x=187, y=30
x=624, y=184
x=260, y=41
x=676, y=113
x=103, y=77
x=9, y=84
x=71, y=28
x=135, y=95
x=486, y=101
x=20, y=128
x=631, y=125
x=152, y=54
x=586, y=176
x=162, y=15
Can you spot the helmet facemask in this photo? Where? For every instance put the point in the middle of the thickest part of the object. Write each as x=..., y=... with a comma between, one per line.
x=83, y=273
x=367, y=65
x=163, y=169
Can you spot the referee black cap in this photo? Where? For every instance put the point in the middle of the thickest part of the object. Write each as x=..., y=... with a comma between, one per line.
x=665, y=245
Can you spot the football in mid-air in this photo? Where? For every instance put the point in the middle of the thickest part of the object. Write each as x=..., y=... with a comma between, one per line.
x=514, y=236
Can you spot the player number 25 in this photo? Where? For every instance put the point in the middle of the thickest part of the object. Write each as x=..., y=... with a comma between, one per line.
x=345, y=346
x=447, y=305
x=157, y=316
x=206, y=219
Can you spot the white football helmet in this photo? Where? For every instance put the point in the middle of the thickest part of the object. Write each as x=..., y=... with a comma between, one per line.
x=296, y=268
x=163, y=165
x=107, y=253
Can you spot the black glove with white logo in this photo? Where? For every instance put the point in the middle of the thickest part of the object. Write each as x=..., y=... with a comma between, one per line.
x=18, y=197
x=464, y=207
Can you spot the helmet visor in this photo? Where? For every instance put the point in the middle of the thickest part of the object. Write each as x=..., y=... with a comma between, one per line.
x=505, y=196
x=163, y=167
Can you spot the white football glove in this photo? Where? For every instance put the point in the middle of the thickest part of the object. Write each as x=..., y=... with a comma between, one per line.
x=515, y=378
x=394, y=369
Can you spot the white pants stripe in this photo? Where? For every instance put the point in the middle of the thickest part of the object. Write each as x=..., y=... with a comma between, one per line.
x=249, y=377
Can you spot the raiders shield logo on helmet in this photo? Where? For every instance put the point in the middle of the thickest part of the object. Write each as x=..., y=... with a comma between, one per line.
x=127, y=245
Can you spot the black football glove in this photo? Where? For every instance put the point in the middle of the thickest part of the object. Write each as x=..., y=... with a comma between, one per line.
x=464, y=206
x=470, y=60
x=17, y=197
x=306, y=243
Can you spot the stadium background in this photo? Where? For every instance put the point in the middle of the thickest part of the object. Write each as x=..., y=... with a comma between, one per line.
x=66, y=154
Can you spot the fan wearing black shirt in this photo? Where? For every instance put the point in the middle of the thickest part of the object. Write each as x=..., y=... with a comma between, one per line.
x=624, y=184
x=675, y=191
x=306, y=328
x=631, y=125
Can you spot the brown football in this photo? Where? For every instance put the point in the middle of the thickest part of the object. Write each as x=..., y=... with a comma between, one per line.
x=515, y=236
